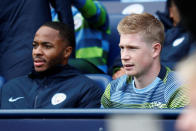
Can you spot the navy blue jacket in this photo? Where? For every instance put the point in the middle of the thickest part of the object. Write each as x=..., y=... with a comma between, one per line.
x=19, y=20
x=178, y=45
x=178, y=42
x=61, y=87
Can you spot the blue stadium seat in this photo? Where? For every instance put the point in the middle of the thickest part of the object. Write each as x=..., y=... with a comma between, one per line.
x=102, y=80
x=2, y=81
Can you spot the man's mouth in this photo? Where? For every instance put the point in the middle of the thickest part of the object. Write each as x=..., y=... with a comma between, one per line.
x=128, y=66
x=39, y=62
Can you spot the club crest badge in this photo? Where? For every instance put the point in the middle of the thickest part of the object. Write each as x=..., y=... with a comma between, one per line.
x=178, y=41
x=77, y=21
x=58, y=98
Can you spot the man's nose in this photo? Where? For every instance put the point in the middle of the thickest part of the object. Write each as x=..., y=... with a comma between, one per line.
x=37, y=51
x=125, y=55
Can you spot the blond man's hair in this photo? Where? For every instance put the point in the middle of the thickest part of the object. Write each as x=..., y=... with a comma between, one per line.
x=151, y=28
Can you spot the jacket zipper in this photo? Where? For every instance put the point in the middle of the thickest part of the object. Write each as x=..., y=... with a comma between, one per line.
x=39, y=89
x=35, y=102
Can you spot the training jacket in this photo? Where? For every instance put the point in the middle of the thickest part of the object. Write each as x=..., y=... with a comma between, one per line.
x=61, y=87
x=165, y=92
x=178, y=42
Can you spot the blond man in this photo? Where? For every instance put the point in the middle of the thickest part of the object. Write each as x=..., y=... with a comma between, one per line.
x=147, y=84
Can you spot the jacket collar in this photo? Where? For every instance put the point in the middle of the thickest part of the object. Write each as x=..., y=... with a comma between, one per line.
x=57, y=71
x=162, y=74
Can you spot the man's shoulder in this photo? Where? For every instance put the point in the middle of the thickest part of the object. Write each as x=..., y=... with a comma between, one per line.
x=176, y=92
x=85, y=84
x=172, y=83
x=168, y=76
x=172, y=78
x=16, y=83
x=18, y=80
x=119, y=83
x=82, y=80
x=72, y=74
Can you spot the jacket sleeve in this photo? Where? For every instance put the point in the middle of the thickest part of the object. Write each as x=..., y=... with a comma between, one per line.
x=0, y=96
x=63, y=9
x=94, y=12
x=179, y=99
x=105, y=99
x=91, y=97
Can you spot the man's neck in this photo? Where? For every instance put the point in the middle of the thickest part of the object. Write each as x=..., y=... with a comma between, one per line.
x=148, y=77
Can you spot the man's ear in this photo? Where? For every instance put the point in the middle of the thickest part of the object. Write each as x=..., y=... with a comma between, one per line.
x=156, y=48
x=67, y=52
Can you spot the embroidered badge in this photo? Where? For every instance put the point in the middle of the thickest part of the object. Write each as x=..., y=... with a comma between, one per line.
x=77, y=21
x=178, y=41
x=58, y=98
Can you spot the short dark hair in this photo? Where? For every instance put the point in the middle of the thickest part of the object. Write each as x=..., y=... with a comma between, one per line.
x=187, y=9
x=65, y=32
x=168, y=3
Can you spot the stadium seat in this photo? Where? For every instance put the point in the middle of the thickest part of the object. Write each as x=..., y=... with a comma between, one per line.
x=2, y=81
x=102, y=80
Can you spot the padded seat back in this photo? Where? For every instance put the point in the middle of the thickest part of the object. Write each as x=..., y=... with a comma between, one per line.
x=102, y=80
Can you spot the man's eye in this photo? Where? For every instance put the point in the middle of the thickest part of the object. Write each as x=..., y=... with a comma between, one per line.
x=48, y=46
x=34, y=45
x=132, y=48
x=121, y=48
